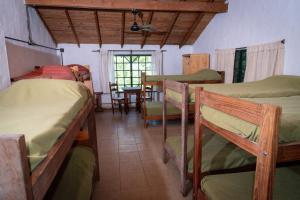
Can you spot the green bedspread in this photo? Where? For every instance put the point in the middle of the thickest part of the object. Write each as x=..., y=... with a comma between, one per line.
x=205, y=74
x=289, y=122
x=41, y=109
x=240, y=185
x=155, y=108
x=275, y=86
x=217, y=153
x=76, y=181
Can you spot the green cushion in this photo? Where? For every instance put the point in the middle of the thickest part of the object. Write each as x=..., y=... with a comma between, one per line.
x=155, y=108
x=76, y=181
x=239, y=185
x=205, y=74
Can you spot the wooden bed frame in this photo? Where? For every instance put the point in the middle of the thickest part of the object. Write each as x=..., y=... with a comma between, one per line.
x=187, y=110
x=17, y=182
x=267, y=150
x=146, y=83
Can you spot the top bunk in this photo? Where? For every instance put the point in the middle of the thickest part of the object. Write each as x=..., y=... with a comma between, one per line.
x=39, y=120
x=203, y=76
x=275, y=86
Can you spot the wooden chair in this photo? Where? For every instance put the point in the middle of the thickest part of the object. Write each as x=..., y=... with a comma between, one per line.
x=147, y=93
x=116, y=97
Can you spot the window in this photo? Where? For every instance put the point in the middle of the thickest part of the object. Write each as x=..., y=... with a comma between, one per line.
x=128, y=69
x=239, y=65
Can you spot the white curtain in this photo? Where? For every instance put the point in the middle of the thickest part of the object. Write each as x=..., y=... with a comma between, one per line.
x=225, y=62
x=264, y=60
x=4, y=70
x=106, y=70
x=157, y=62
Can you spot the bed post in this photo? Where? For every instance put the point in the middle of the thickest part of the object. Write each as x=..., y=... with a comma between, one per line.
x=197, y=144
x=266, y=158
x=93, y=140
x=184, y=137
x=165, y=153
x=15, y=182
x=222, y=74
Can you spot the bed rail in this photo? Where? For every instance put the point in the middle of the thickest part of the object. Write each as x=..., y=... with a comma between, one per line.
x=265, y=149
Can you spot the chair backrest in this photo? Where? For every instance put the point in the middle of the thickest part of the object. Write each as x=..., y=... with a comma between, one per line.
x=113, y=89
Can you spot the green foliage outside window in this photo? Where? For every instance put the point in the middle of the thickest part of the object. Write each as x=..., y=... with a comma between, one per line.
x=128, y=69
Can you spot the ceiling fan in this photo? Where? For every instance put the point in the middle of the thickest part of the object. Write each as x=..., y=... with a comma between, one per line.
x=143, y=27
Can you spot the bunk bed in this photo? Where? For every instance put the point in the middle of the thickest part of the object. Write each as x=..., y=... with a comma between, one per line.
x=152, y=110
x=267, y=129
x=39, y=121
x=180, y=148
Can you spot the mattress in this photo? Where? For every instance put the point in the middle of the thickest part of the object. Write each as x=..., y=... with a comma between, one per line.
x=289, y=129
x=202, y=75
x=240, y=185
x=41, y=109
x=275, y=86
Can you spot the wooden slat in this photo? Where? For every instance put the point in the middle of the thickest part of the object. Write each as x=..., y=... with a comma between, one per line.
x=146, y=33
x=123, y=29
x=289, y=152
x=47, y=27
x=243, y=143
x=245, y=110
x=98, y=28
x=170, y=6
x=72, y=27
x=191, y=30
x=165, y=38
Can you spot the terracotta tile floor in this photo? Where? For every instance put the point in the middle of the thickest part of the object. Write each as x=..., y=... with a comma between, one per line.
x=130, y=157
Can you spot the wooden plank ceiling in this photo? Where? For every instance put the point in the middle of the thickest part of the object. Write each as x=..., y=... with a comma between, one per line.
x=108, y=22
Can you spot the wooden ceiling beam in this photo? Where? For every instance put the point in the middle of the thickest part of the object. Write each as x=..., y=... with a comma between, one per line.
x=151, y=5
x=146, y=33
x=123, y=29
x=46, y=26
x=72, y=27
x=165, y=38
x=98, y=28
x=191, y=29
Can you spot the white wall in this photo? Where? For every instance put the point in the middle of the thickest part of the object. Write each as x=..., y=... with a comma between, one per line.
x=84, y=55
x=13, y=20
x=4, y=72
x=250, y=22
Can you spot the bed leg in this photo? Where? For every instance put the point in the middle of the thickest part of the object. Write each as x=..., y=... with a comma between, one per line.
x=186, y=186
x=165, y=156
x=15, y=180
x=93, y=140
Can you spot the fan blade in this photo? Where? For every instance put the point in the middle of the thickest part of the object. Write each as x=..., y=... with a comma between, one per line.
x=147, y=29
x=147, y=26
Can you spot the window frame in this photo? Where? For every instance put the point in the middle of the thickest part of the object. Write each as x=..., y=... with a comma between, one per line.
x=131, y=61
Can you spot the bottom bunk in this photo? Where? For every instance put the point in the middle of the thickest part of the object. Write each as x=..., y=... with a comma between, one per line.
x=153, y=111
x=76, y=179
x=240, y=185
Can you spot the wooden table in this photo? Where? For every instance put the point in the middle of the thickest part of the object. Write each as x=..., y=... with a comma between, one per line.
x=137, y=92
